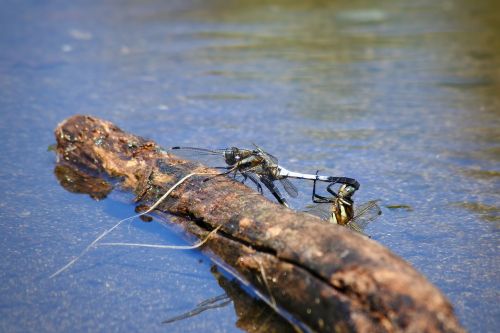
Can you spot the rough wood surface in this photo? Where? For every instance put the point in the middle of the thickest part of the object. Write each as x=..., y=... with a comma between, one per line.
x=327, y=277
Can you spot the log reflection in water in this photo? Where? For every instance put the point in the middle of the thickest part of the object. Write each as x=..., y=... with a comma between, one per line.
x=211, y=303
x=254, y=316
x=75, y=181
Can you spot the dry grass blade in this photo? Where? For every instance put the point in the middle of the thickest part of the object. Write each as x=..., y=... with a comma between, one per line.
x=159, y=246
x=101, y=236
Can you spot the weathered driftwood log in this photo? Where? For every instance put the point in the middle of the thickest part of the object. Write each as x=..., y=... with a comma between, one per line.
x=326, y=276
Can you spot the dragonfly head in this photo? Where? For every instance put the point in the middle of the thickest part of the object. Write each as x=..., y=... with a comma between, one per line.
x=346, y=191
x=232, y=155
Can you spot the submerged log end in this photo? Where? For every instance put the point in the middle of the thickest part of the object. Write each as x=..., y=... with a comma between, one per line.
x=100, y=147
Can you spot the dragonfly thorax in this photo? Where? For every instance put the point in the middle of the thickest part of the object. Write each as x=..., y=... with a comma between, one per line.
x=252, y=163
x=233, y=155
x=342, y=211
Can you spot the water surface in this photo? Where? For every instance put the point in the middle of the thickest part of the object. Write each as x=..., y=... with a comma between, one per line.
x=403, y=96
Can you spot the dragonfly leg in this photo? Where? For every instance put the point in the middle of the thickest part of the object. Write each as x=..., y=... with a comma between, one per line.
x=274, y=190
x=316, y=198
x=221, y=174
x=255, y=181
x=329, y=189
x=321, y=199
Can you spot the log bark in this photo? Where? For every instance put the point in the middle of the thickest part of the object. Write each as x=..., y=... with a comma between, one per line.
x=325, y=276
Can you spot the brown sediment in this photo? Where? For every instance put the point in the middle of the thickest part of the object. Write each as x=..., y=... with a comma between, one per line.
x=329, y=278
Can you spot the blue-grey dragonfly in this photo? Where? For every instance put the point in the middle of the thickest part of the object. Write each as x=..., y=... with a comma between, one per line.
x=257, y=166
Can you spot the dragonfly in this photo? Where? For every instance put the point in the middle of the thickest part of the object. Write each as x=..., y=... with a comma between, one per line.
x=260, y=167
x=339, y=208
x=255, y=165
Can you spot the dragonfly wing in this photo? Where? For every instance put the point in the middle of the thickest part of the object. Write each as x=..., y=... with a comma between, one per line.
x=195, y=150
x=289, y=187
x=266, y=154
x=321, y=210
x=273, y=158
x=366, y=213
x=269, y=183
x=354, y=226
x=209, y=157
x=242, y=177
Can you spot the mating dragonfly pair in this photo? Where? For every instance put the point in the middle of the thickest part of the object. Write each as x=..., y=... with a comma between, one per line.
x=263, y=168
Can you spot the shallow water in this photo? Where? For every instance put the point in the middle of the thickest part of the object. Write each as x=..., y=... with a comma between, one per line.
x=405, y=97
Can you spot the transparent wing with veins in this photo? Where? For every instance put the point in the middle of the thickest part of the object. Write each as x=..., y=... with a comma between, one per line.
x=289, y=187
x=366, y=213
x=321, y=210
x=272, y=158
x=265, y=154
x=208, y=157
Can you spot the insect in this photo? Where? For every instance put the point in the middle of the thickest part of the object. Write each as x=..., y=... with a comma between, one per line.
x=339, y=208
x=259, y=167
x=254, y=164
